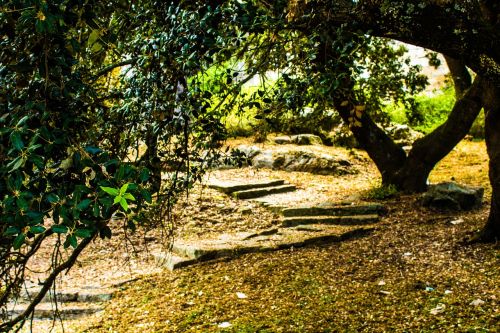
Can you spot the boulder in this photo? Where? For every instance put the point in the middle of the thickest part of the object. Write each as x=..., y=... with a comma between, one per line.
x=306, y=139
x=403, y=135
x=249, y=151
x=282, y=140
x=343, y=137
x=452, y=196
x=317, y=164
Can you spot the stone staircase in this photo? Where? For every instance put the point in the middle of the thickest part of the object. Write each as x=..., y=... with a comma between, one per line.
x=330, y=213
x=253, y=190
x=70, y=303
x=300, y=226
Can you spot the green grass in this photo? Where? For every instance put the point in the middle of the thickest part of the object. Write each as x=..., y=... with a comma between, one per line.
x=434, y=110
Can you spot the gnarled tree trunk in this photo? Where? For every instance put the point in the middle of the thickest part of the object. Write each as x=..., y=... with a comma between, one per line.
x=409, y=173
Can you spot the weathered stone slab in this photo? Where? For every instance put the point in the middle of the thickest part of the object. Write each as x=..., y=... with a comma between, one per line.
x=46, y=310
x=230, y=187
x=231, y=246
x=260, y=192
x=335, y=210
x=337, y=220
x=171, y=261
x=90, y=296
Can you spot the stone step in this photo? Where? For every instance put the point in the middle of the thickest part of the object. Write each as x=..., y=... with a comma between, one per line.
x=90, y=296
x=336, y=210
x=65, y=310
x=230, y=246
x=337, y=220
x=260, y=192
x=230, y=187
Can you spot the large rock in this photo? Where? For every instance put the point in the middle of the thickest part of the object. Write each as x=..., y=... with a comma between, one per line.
x=452, y=196
x=249, y=151
x=302, y=161
x=282, y=140
x=300, y=139
x=403, y=135
x=306, y=139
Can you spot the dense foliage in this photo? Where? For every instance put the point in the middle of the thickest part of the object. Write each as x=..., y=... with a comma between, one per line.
x=94, y=104
x=106, y=112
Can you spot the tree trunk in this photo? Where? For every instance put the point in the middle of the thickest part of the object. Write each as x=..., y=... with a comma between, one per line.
x=491, y=99
x=428, y=151
x=410, y=173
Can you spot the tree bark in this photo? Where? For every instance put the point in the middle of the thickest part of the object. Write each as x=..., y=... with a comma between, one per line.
x=428, y=151
x=410, y=173
x=491, y=99
x=461, y=77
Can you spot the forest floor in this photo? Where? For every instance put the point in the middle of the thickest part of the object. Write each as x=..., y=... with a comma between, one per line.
x=413, y=273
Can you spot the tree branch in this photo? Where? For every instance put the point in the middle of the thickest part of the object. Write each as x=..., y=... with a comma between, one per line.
x=109, y=68
x=48, y=284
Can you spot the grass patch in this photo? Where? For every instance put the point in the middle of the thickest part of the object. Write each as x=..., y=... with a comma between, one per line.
x=382, y=192
x=430, y=112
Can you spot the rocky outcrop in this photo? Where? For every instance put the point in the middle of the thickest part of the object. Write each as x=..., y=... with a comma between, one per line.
x=452, y=196
x=300, y=139
x=302, y=161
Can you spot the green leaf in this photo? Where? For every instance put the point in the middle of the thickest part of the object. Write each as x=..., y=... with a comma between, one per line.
x=124, y=204
x=37, y=229
x=59, y=229
x=22, y=121
x=35, y=216
x=147, y=196
x=22, y=203
x=84, y=204
x=144, y=176
x=129, y=196
x=96, y=211
x=34, y=147
x=15, y=163
x=112, y=191
x=93, y=150
x=19, y=241
x=83, y=233
x=118, y=198
x=70, y=241
x=124, y=188
x=16, y=140
x=11, y=231
x=52, y=198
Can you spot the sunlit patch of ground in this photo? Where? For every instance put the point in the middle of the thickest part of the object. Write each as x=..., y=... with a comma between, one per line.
x=389, y=281
x=412, y=274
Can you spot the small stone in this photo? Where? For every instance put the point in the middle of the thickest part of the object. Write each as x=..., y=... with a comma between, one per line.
x=241, y=295
x=477, y=302
x=438, y=309
x=384, y=292
x=457, y=221
x=447, y=292
x=407, y=254
x=381, y=283
x=225, y=324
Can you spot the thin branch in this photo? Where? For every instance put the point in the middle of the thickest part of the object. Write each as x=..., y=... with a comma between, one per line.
x=109, y=68
x=48, y=284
